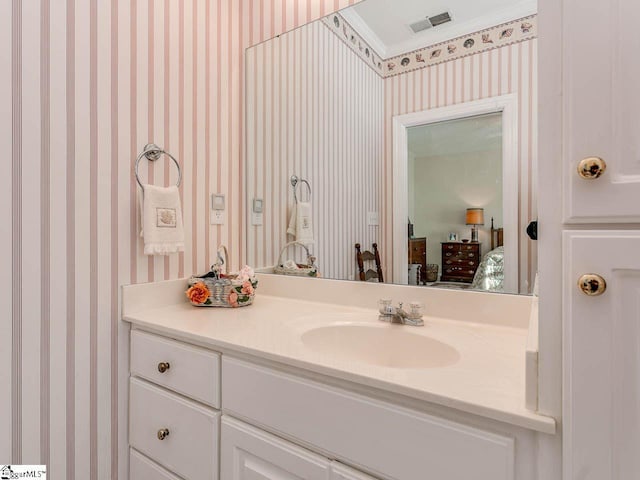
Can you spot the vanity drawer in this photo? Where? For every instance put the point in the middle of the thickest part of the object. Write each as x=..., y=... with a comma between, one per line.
x=191, y=371
x=141, y=468
x=389, y=440
x=190, y=445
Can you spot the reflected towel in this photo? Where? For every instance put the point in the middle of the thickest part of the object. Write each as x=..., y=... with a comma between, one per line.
x=161, y=220
x=300, y=223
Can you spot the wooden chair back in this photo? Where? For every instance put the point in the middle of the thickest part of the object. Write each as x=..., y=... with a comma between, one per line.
x=368, y=256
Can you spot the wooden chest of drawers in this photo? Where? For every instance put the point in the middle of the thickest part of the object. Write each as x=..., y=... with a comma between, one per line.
x=459, y=261
x=418, y=254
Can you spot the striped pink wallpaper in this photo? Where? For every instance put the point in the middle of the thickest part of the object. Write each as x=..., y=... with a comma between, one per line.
x=86, y=85
x=303, y=90
x=508, y=69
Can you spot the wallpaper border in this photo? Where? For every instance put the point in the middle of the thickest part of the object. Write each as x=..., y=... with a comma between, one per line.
x=515, y=31
x=345, y=32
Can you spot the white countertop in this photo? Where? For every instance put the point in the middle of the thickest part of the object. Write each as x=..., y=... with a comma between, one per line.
x=488, y=380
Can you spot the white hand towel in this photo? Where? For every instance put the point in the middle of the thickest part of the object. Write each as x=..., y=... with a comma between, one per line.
x=161, y=220
x=291, y=228
x=301, y=223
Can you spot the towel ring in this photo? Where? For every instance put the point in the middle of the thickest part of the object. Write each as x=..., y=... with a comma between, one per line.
x=295, y=180
x=153, y=152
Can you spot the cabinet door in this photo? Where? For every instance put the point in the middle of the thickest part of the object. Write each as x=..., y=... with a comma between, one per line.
x=248, y=453
x=601, y=109
x=602, y=357
x=342, y=472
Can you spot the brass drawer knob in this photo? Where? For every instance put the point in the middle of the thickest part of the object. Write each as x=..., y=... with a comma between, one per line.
x=163, y=433
x=591, y=167
x=163, y=367
x=592, y=284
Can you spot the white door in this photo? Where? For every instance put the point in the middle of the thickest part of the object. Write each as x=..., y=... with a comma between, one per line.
x=601, y=109
x=602, y=357
x=342, y=472
x=248, y=453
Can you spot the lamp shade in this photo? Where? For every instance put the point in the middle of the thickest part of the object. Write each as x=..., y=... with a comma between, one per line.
x=475, y=216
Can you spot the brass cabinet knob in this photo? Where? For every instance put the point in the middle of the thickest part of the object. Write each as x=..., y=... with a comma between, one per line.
x=591, y=167
x=163, y=433
x=163, y=367
x=592, y=284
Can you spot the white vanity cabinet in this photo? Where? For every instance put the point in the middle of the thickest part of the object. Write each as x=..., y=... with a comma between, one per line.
x=173, y=428
x=391, y=441
x=281, y=423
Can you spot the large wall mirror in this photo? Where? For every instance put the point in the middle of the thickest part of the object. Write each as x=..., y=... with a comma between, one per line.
x=397, y=142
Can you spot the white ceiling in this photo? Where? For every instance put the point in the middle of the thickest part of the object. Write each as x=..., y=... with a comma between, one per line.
x=467, y=135
x=384, y=24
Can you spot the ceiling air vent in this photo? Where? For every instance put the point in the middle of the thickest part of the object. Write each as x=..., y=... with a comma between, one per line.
x=440, y=19
x=430, y=22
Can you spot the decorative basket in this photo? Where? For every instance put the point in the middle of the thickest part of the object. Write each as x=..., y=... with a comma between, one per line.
x=432, y=272
x=217, y=289
x=304, y=270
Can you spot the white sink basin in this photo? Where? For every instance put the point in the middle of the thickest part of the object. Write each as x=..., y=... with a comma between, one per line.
x=385, y=346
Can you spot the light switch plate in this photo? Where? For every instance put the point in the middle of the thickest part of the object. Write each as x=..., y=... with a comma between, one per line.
x=373, y=219
x=217, y=201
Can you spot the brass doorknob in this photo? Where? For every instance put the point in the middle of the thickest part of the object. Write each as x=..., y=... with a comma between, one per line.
x=163, y=367
x=592, y=284
x=163, y=433
x=591, y=167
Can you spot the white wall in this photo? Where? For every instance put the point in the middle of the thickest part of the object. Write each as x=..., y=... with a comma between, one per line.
x=443, y=187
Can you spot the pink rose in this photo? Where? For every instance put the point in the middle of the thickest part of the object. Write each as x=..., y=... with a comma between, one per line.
x=247, y=288
x=233, y=299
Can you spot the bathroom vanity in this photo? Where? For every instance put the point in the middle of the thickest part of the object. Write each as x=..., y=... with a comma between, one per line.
x=295, y=388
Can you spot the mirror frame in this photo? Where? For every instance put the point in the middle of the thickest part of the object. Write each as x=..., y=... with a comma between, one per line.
x=507, y=105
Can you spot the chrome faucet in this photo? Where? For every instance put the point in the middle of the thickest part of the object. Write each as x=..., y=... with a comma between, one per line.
x=389, y=313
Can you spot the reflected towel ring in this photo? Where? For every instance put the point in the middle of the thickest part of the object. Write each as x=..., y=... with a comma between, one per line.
x=153, y=152
x=295, y=180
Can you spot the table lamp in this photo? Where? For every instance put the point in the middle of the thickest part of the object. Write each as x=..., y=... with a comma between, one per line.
x=475, y=217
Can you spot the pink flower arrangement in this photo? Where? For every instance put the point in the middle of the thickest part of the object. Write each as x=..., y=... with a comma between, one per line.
x=233, y=299
x=246, y=274
x=247, y=288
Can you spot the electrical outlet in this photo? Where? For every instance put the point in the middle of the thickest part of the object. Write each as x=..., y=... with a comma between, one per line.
x=256, y=218
x=217, y=217
x=373, y=219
